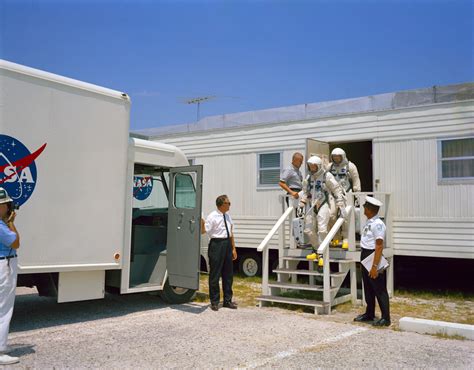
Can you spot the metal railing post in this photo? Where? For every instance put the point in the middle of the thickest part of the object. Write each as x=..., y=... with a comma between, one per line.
x=352, y=247
x=326, y=280
x=265, y=262
x=263, y=247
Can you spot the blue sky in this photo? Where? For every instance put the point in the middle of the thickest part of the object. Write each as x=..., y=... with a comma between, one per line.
x=248, y=54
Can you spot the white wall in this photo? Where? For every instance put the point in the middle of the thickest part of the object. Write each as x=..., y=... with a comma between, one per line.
x=405, y=162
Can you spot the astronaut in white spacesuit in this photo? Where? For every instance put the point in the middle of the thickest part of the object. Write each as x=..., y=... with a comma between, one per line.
x=346, y=174
x=314, y=203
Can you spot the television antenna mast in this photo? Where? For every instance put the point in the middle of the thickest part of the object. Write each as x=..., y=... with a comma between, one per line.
x=198, y=102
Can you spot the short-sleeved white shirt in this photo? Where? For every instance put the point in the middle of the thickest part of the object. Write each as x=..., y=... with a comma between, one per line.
x=215, y=226
x=374, y=229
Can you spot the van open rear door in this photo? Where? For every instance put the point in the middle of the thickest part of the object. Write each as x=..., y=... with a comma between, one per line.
x=184, y=227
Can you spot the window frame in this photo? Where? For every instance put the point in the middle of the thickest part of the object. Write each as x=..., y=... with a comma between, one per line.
x=267, y=186
x=176, y=192
x=451, y=180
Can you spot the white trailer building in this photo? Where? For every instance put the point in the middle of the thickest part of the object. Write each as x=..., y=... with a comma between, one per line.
x=417, y=145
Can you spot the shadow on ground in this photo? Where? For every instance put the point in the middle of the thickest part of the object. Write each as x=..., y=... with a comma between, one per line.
x=33, y=312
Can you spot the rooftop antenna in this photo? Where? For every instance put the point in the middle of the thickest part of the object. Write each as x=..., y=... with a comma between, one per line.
x=198, y=101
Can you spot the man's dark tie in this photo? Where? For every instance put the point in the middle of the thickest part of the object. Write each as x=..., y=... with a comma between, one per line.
x=226, y=228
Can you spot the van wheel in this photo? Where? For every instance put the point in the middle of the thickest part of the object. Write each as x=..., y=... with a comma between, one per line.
x=250, y=264
x=175, y=295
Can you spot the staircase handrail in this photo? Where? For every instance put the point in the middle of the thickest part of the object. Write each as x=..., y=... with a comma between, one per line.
x=273, y=231
x=263, y=247
x=337, y=225
x=324, y=251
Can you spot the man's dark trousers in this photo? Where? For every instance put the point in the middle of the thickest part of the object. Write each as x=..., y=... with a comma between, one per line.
x=220, y=264
x=375, y=288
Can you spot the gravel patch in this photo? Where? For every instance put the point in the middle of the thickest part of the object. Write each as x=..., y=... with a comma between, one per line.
x=140, y=331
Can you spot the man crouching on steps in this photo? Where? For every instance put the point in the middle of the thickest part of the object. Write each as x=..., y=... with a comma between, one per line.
x=222, y=252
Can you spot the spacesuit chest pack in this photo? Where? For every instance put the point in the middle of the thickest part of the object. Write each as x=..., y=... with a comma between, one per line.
x=318, y=190
x=342, y=176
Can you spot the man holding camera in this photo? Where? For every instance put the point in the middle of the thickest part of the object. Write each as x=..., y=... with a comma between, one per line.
x=9, y=243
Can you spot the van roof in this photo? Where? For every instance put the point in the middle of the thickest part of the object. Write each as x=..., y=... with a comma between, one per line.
x=24, y=70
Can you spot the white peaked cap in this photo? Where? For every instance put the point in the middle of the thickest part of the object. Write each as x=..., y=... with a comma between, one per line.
x=373, y=201
x=4, y=197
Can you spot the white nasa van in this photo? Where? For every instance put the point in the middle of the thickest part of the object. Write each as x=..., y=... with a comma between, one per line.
x=97, y=209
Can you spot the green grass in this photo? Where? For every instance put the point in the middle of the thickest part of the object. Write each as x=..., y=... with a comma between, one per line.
x=246, y=290
x=433, y=294
x=446, y=336
x=432, y=305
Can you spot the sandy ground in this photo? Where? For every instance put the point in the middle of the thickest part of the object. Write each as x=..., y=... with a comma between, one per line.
x=141, y=331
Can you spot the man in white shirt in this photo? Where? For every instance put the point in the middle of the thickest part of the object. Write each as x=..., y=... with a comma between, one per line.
x=375, y=281
x=222, y=252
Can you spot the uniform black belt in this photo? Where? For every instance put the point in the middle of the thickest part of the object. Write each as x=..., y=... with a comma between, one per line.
x=7, y=257
x=218, y=239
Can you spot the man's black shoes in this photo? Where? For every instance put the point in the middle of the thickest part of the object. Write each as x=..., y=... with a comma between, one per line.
x=230, y=305
x=364, y=318
x=382, y=322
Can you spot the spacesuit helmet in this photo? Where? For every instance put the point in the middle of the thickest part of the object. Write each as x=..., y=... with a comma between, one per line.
x=315, y=165
x=338, y=156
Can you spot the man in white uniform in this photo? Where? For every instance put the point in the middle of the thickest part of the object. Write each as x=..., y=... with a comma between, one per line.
x=346, y=174
x=319, y=186
x=375, y=281
x=9, y=243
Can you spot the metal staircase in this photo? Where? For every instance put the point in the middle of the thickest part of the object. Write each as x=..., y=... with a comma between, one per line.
x=316, y=286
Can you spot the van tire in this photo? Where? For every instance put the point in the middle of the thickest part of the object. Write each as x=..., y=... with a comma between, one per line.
x=175, y=295
x=250, y=264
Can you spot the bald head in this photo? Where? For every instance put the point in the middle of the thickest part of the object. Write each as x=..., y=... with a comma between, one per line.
x=297, y=159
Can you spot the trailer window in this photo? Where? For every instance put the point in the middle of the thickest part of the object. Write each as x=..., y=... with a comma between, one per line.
x=269, y=167
x=184, y=191
x=456, y=159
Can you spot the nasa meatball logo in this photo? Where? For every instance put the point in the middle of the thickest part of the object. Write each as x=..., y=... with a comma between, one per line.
x=18, y=174
x=142, y=187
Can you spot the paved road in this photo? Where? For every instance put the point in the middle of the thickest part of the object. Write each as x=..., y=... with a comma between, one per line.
x=141, y=331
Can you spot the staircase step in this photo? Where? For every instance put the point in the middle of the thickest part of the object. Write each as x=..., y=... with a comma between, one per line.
x=288, y=300
x=340, y=260
x=306, y=272
x=295, y=258
x=302, y=259
x=316, y=288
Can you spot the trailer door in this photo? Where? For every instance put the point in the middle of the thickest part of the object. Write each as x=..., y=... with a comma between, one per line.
x=184, y=227
x=319, y=148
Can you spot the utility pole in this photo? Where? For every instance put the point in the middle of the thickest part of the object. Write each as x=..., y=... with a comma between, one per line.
x=198, y=101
